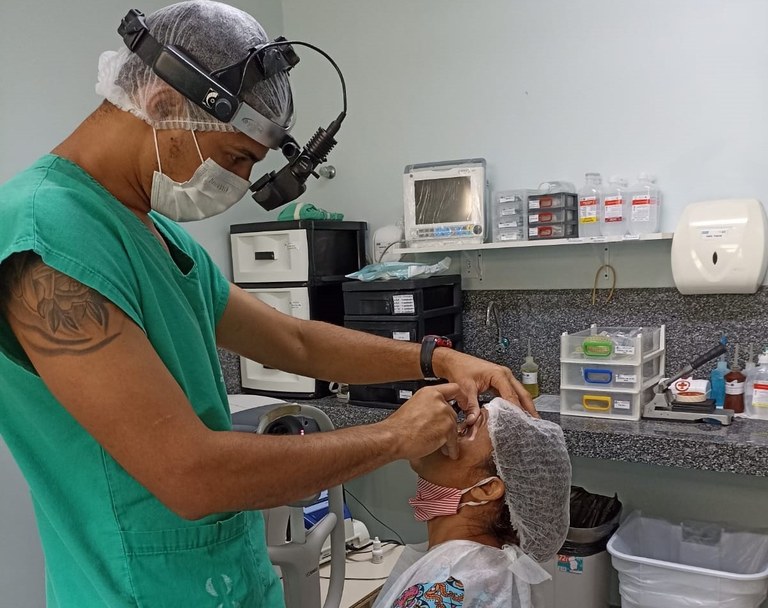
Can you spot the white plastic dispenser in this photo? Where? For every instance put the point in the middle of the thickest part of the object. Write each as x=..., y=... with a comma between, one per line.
x=720, y=247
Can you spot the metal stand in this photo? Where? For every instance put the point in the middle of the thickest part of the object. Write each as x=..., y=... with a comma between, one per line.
x=663, y=407
x=299, y=557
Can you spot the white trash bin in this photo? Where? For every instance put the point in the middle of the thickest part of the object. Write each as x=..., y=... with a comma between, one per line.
x=662, y=564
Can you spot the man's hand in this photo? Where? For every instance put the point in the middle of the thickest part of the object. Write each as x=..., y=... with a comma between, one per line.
x=427, y=422
x=474, y=376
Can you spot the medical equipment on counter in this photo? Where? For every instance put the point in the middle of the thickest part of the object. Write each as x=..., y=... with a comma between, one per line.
x=382, y=242
x=720, y=247
x=665, y=407
x=444, y=202
x=294, y=550
x=218, y=93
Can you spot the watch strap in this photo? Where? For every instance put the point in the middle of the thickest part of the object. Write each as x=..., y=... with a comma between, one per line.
x=428, y=346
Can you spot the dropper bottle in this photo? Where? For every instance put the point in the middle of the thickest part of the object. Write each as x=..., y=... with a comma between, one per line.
x=530, y=373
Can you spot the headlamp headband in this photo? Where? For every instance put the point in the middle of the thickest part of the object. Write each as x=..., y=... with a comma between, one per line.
x=219, y=93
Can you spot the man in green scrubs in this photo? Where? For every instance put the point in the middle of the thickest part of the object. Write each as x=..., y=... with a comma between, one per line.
x=112, y=399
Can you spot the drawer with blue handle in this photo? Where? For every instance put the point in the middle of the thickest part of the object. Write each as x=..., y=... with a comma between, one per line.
x=610, y=375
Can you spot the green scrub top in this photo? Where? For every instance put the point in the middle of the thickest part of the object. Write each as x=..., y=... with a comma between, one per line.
x=107, y=540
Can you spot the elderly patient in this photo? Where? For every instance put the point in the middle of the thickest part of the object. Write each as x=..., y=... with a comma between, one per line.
x=491, y=515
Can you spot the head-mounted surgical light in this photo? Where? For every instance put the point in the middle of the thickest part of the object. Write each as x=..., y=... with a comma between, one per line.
x=220, y=94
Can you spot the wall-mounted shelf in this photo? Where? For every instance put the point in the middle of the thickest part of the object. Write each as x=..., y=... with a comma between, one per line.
x=593, y=240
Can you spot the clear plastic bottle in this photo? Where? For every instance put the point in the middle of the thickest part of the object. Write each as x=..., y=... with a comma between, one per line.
x=644, y=205
x=530, y=374
x=749, y=372
x=758, y=408
x=717, y=380
x=614, y=217
x=590, y=205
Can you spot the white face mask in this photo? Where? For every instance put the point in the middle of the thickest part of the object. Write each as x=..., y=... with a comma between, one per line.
x=211, y=190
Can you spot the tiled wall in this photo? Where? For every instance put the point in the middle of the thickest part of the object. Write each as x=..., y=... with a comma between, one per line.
x=694, y=324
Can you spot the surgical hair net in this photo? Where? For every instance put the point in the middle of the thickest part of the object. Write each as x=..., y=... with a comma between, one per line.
x=532, y=461
x=215, y=35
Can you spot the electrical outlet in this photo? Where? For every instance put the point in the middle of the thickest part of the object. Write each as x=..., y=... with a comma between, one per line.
x=472, y=265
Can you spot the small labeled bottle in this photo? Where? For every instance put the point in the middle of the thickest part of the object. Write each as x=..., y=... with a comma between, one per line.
x=759, y=406
x=644, y=205
x=530, y=373
x=615, y=208
x=734, y=386
x=377, y=556
x=717, y=380
x=590, y=205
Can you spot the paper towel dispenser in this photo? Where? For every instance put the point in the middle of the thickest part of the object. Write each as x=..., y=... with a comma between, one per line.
x=720, y=247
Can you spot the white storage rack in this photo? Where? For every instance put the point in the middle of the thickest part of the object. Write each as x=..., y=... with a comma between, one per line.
x=617, y=386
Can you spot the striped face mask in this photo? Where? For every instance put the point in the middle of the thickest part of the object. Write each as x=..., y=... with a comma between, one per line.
x=432, y=500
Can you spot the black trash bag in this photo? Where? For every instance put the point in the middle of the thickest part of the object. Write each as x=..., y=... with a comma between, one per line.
x=592, y=510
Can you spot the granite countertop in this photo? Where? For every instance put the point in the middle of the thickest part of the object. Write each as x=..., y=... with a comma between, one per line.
x=740, y=448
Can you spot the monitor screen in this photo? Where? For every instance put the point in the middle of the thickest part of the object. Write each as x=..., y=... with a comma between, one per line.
x=445, y=200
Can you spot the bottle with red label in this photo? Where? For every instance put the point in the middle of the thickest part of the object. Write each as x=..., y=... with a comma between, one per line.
x=644, y=205
x=759, y=383
x=615, y=208
x=590, y=205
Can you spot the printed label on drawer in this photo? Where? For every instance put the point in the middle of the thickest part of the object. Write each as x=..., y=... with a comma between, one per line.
x=624, y=350
x=405, y=394
x=533, y=204
x=508, y=224
x=533, y=218
x=620, y=404
x=404, y=304
x=509, y=198
x=626, y=378
x=509, y=211
x=401, y=335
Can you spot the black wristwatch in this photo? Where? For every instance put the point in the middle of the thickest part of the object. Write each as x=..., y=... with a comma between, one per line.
x=428, y=346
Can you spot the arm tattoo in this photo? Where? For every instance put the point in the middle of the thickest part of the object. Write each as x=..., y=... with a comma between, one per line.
x=53, y=314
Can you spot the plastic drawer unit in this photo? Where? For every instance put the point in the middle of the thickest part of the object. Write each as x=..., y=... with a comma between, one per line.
x=610, y=372
x=508, y=215
x=562, y=230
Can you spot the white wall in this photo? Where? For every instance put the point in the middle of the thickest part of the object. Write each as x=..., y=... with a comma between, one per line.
x=49, y=54
x=543, y=89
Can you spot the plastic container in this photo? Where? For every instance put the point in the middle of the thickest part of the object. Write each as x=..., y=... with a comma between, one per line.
x=663, y=564
x=607, y=375
x=615, y=208
x=644, y=205
x=590, y=205
x=556, y=216
x=623, y=405
x=749, y=373
x=630, y=345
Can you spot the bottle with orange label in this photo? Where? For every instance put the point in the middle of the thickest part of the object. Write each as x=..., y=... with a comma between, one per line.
x=614, y=217
x=759, y=383
x=644, y=206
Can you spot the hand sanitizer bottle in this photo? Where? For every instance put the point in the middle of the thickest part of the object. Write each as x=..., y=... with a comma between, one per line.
x=530, y=373
x=717, y=380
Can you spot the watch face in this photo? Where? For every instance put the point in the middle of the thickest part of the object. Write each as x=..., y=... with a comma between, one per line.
x=441, y=341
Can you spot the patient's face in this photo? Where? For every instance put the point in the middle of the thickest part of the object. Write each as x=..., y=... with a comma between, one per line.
x=474, y=451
